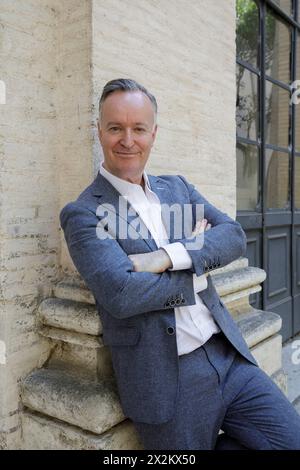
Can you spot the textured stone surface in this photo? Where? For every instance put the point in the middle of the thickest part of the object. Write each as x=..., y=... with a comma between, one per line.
x=258, y=325
x=73, y=290
x=240, y=295
x=233, y=281
x=29, y=235
x=291, y=366
x=42, y=433
x=268, y=354
x=239, y=263
x=70, y=315
x=91, y=405
x=280, y=379
x=174, y=52
x=238, y=279
x=296, y=404
x=87, y=341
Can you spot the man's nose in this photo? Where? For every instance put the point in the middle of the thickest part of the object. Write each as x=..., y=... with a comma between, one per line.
x=127, y=139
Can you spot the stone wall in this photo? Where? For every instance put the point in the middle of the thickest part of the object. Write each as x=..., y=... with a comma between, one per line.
x=186, y=57
x=55, y=59
x=74, y=103
x=29, y=238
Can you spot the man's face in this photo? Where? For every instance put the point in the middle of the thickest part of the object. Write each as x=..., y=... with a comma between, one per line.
x=127, y=131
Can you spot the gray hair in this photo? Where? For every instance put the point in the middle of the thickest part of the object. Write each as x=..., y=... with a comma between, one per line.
x=125, y=84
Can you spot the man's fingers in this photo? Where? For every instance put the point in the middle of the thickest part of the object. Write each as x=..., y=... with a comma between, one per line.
x=201, y=226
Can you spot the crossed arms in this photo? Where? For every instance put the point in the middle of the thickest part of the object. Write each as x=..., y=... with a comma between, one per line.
x=110, y=273
x=159, y=261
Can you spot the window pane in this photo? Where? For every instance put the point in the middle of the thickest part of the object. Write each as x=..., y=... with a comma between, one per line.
x=297, y=181
x=277, y=115
x=246, y=104
x=278, y=47
x=285, y=5
x=247, y=32
x=247, y=163
x=277, y=179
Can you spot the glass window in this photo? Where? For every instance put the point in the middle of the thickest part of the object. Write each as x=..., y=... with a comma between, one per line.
x=277, y=115
x=247, y=176
x=247, y=29
x=246, y=104
x=285, y=5
x=278, y=48
x=277, y=179
x=297, y=181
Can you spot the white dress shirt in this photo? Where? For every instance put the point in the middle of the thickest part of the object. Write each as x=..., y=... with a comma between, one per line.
x=194, y=323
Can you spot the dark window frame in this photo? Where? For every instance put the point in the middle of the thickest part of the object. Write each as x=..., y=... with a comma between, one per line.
x=263, y=5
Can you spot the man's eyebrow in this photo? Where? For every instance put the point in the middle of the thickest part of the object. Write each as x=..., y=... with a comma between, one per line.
x=115, y=123
x=112, y=123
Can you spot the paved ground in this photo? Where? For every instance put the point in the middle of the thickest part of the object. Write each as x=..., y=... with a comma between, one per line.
x=291, y=366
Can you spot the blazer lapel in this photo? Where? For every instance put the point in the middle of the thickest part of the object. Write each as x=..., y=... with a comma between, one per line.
x=108, y=196
x=164, y=193
x=171, y=209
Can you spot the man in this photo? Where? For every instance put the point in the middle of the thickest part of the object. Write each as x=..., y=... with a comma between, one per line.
x=182, y=367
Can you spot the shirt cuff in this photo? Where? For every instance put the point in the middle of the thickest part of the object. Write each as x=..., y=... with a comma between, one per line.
x=179, y=256
x=200, y=282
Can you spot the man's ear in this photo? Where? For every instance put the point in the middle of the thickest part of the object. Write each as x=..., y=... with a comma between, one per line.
x=99, y=130
x=154, y=133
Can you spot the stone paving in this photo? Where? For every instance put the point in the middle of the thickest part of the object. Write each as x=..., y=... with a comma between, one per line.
x=291, y=366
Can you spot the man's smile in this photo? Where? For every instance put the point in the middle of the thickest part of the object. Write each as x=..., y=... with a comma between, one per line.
x=127, y=153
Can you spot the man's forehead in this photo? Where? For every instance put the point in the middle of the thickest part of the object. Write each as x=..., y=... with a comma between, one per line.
x=120, y=103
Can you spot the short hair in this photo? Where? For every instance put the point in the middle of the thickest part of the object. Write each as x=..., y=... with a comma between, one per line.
x=125, y=84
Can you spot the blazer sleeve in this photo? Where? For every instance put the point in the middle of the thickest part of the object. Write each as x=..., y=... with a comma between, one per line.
x=108, y=272
x=219, y=246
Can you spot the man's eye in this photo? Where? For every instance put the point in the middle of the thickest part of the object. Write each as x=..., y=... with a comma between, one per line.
x=114, y=129
x=140, y=129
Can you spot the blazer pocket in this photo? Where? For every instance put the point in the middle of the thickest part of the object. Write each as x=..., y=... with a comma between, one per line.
x=125, y=336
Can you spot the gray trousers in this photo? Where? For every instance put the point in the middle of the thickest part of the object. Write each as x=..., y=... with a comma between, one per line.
x=219, y=389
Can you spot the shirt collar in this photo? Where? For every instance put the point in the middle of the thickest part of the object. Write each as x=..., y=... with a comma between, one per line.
x=124, y=187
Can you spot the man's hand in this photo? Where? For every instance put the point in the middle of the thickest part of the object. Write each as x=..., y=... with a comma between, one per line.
x=159, y=261
x=200, y=227
x=154, y=262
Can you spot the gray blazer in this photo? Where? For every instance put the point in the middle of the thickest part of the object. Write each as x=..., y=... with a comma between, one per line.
x=137, y=308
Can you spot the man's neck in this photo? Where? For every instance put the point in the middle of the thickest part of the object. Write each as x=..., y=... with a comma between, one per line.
x=139, y=180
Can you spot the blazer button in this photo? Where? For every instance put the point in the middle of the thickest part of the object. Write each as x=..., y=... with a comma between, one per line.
x=172, y=303
x=178, y=301
x=170, y=330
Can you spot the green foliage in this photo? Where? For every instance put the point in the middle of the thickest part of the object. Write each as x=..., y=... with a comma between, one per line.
x=247, y=24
